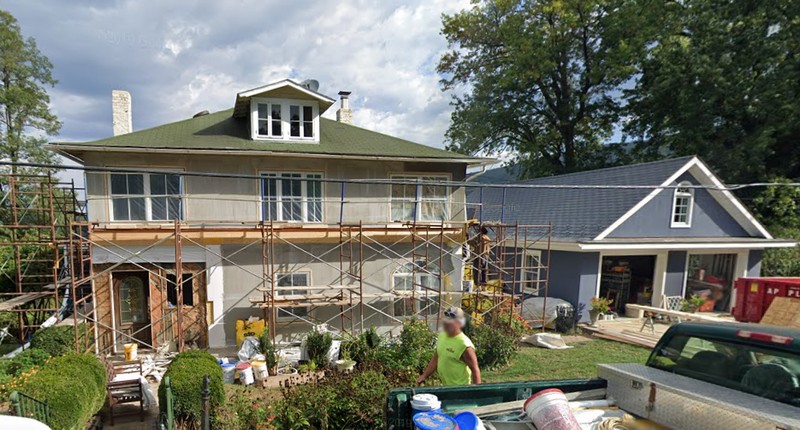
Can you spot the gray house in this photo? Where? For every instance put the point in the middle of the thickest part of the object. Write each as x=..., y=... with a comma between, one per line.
x=670, y=230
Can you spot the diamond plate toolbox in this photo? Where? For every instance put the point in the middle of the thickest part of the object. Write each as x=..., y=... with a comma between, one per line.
x=678, y=402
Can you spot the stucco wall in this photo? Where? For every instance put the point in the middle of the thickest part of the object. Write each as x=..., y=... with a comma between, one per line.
x=224, y=199
x=709, y=218
x=573, y=277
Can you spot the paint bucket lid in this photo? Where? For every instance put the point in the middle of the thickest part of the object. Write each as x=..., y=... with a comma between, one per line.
x=242, y=365
x=434, y=421
x=467, y=421
x=228, y=365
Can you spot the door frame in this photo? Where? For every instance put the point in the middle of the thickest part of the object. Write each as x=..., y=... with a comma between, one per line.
x=115, y=282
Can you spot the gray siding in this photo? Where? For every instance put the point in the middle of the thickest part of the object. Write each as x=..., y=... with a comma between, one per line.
x=676, y=274
x=754, y=259
x=708, y=220
x=573, y=277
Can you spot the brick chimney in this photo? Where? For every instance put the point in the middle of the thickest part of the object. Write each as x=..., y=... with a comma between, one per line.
x=121, y=115
x=344, y=114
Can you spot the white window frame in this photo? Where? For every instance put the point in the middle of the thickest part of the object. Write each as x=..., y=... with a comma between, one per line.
x=682, y=191
x=285, y=119
x=301, y=311
x=406, y=270
x=147, y=196
x=526, y=275
x=419, y=199
x=305, y=178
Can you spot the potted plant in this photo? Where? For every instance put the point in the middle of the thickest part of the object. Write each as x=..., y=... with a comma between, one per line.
x=600, y=306
x=692, y=304
x=270, y=353
x=345, y=363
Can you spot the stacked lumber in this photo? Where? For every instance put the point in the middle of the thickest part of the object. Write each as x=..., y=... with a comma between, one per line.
x=646, y=340
x=783, y=311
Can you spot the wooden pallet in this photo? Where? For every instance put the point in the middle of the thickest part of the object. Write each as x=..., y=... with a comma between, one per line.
x=783, y=311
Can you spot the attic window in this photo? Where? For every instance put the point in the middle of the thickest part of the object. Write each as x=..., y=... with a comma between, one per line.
x=278, y=119
x=682, y=203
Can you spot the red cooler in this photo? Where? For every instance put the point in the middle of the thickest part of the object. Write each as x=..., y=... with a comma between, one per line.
x=754, y=295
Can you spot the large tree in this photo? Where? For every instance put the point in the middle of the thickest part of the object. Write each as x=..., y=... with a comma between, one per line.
x=542, y=78
x=723, y=83
x=25, y=116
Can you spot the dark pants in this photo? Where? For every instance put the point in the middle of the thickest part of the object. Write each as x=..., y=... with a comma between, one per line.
x=479, y=268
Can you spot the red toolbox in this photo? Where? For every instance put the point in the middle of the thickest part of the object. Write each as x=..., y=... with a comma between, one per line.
x=754, y=295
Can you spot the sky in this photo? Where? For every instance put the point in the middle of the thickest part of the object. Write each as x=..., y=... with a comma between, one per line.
x=177, y=58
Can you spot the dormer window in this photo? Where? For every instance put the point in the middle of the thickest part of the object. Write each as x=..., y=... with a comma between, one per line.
x=280, y=119
x=682, y=203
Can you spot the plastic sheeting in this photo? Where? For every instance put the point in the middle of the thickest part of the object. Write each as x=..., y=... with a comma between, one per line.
x=532, y=310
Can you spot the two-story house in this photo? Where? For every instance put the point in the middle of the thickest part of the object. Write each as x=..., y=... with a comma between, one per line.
x=267, y=209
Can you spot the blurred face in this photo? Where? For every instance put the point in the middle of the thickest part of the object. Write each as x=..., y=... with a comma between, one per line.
x=451, y=328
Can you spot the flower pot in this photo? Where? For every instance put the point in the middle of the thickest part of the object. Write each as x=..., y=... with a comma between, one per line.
x=594, y=315
x=345, y=365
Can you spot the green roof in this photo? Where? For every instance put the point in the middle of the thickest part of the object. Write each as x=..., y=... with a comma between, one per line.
x=220, y=131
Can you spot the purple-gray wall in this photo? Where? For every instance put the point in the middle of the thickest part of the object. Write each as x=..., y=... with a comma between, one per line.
x=754, y=263
x=709, y=218
x=674, y=278
x=573, y=277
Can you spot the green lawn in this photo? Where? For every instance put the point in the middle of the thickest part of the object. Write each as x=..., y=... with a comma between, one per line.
x=578, y=362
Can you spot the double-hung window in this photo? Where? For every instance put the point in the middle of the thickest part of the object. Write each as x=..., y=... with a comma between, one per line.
x=682, y=203
x=146, y=197
x=419, y=198
x=291, y=197
x=283, y=119
x=286, y=280
x=421, y=277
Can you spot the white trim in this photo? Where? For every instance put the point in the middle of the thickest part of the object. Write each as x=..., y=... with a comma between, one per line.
x=284, y=83
x=524, y=282
x=147, y=196
x=679, y=193
x=304, y=200
x=645, y=200
x=419, y=199
x=683, y=246
x=285, y=119
x=292, y=309
x=659, y=278
x=739, y=212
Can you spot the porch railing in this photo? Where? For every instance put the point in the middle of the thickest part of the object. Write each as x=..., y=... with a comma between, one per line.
x=28, y=407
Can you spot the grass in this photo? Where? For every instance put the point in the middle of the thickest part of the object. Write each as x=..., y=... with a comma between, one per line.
x=579, y=362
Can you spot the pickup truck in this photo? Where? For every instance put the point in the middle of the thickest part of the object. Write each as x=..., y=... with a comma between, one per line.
x=699, y=376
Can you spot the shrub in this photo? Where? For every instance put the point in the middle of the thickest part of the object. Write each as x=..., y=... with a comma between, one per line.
x=58, y=340
x=25, y=361
x=186, y=374
x=317, y=345
x=245, y=408
x=269, y=350
x=74, y=386
x=495, y=344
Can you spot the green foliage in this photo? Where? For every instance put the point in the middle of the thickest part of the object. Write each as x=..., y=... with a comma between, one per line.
x=58, y=340
x=269, y=350
x=73, y=385
x=317, y=346
x=363, y=347
x=495, y=344
x=543, y=76
x=24, y=103
x=25, y=361
x=692, y=304
x=186, y=373
x=721, y=82
x=245, y=408
x=782, y=261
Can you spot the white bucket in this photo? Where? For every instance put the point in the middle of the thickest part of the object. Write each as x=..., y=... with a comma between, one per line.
x=245, y=373
x=425, y=403
x=260, y=370
x=228, y=373
x=549, y=410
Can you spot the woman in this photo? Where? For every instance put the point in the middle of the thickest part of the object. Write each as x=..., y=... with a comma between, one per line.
x=454, y=360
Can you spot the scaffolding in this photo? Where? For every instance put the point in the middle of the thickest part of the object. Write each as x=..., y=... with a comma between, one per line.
x=437, y=256
x=36, y=213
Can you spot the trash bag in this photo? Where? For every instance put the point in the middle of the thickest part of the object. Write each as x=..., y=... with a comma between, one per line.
x=250, y=347
x=531, y=310
x=546, y=340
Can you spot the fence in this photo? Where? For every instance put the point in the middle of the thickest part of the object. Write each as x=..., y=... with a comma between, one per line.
x=28, y=407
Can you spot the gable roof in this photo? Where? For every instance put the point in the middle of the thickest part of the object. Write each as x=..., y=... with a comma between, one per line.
x=586, y=214
x=222, y=132
x=286, y=86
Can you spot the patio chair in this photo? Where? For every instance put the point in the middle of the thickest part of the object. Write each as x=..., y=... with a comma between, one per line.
x=124, y=386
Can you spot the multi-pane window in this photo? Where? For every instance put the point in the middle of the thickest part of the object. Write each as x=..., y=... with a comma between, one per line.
x=682, y=205
x=422, y=200
x=132, y=303
x=284, y=282
x=282, y=119
x=146, y=197
x=292, y=197
x=421, y=277
x=530, y=272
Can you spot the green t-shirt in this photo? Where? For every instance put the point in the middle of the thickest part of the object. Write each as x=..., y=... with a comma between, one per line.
x=452, y=370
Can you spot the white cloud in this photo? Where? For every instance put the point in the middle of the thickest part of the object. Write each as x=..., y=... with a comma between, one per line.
x=177, y=59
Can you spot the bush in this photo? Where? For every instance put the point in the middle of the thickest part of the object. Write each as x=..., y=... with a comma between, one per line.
x=74, y=386
x=25, y=361
x=495, y=343
x=317, y=345
x=186, y=374
x=57, y=341
x=245, y=408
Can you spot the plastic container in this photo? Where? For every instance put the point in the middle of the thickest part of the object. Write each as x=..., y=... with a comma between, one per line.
x=434, y=421
x=754, y=295
x=425, y=403
x=228, y=373
x=468, y=421
x=260, y=370
x=549, y=410
x=245, y=373
x=131, y=351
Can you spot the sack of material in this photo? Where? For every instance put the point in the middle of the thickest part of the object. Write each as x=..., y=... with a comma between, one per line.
x=546, y=340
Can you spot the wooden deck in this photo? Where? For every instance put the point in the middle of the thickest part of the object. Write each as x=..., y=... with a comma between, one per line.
x=629, y=330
